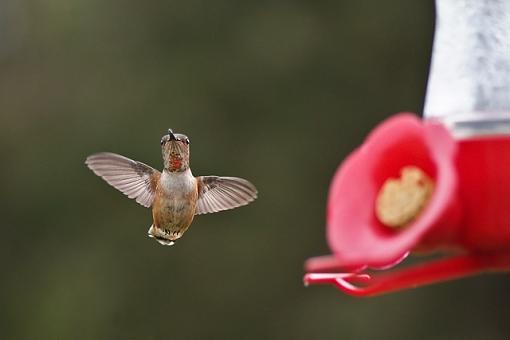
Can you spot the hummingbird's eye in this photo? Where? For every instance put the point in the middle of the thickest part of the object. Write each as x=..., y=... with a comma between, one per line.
x=187, y=141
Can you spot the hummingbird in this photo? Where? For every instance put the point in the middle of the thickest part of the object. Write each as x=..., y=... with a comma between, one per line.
x=174, y=194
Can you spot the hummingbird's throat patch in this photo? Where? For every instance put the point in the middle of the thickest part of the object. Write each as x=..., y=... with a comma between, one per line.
x=175, y=162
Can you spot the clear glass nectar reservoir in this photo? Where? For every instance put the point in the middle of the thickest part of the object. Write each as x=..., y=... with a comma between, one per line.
x=469, y=81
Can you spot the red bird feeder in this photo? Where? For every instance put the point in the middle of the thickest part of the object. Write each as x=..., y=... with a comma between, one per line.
x=438, y=185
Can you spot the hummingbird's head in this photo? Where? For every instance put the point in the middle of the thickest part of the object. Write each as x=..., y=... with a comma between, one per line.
x=175, y=149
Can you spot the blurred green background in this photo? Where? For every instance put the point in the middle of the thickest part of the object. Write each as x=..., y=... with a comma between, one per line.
x=278, y=92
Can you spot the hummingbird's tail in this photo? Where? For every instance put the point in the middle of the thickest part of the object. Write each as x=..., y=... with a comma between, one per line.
x=160, y=236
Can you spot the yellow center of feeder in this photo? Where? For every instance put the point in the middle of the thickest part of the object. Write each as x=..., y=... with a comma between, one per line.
x=400, y=201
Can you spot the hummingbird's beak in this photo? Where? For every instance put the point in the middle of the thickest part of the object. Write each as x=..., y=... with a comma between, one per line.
x=171, y=134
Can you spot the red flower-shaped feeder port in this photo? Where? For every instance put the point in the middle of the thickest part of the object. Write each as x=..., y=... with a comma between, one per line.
x=412, y=187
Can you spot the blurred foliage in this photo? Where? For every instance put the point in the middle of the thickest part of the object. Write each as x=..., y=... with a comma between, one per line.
x=278, y=92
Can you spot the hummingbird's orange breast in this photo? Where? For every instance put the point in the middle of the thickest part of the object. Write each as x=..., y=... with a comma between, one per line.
x=174, y=204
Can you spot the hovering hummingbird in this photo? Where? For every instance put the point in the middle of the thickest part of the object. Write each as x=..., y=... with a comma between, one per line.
x=174, y=194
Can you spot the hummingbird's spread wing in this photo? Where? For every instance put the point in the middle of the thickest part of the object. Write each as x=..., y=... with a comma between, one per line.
x=223, y=193
x=132, y=178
